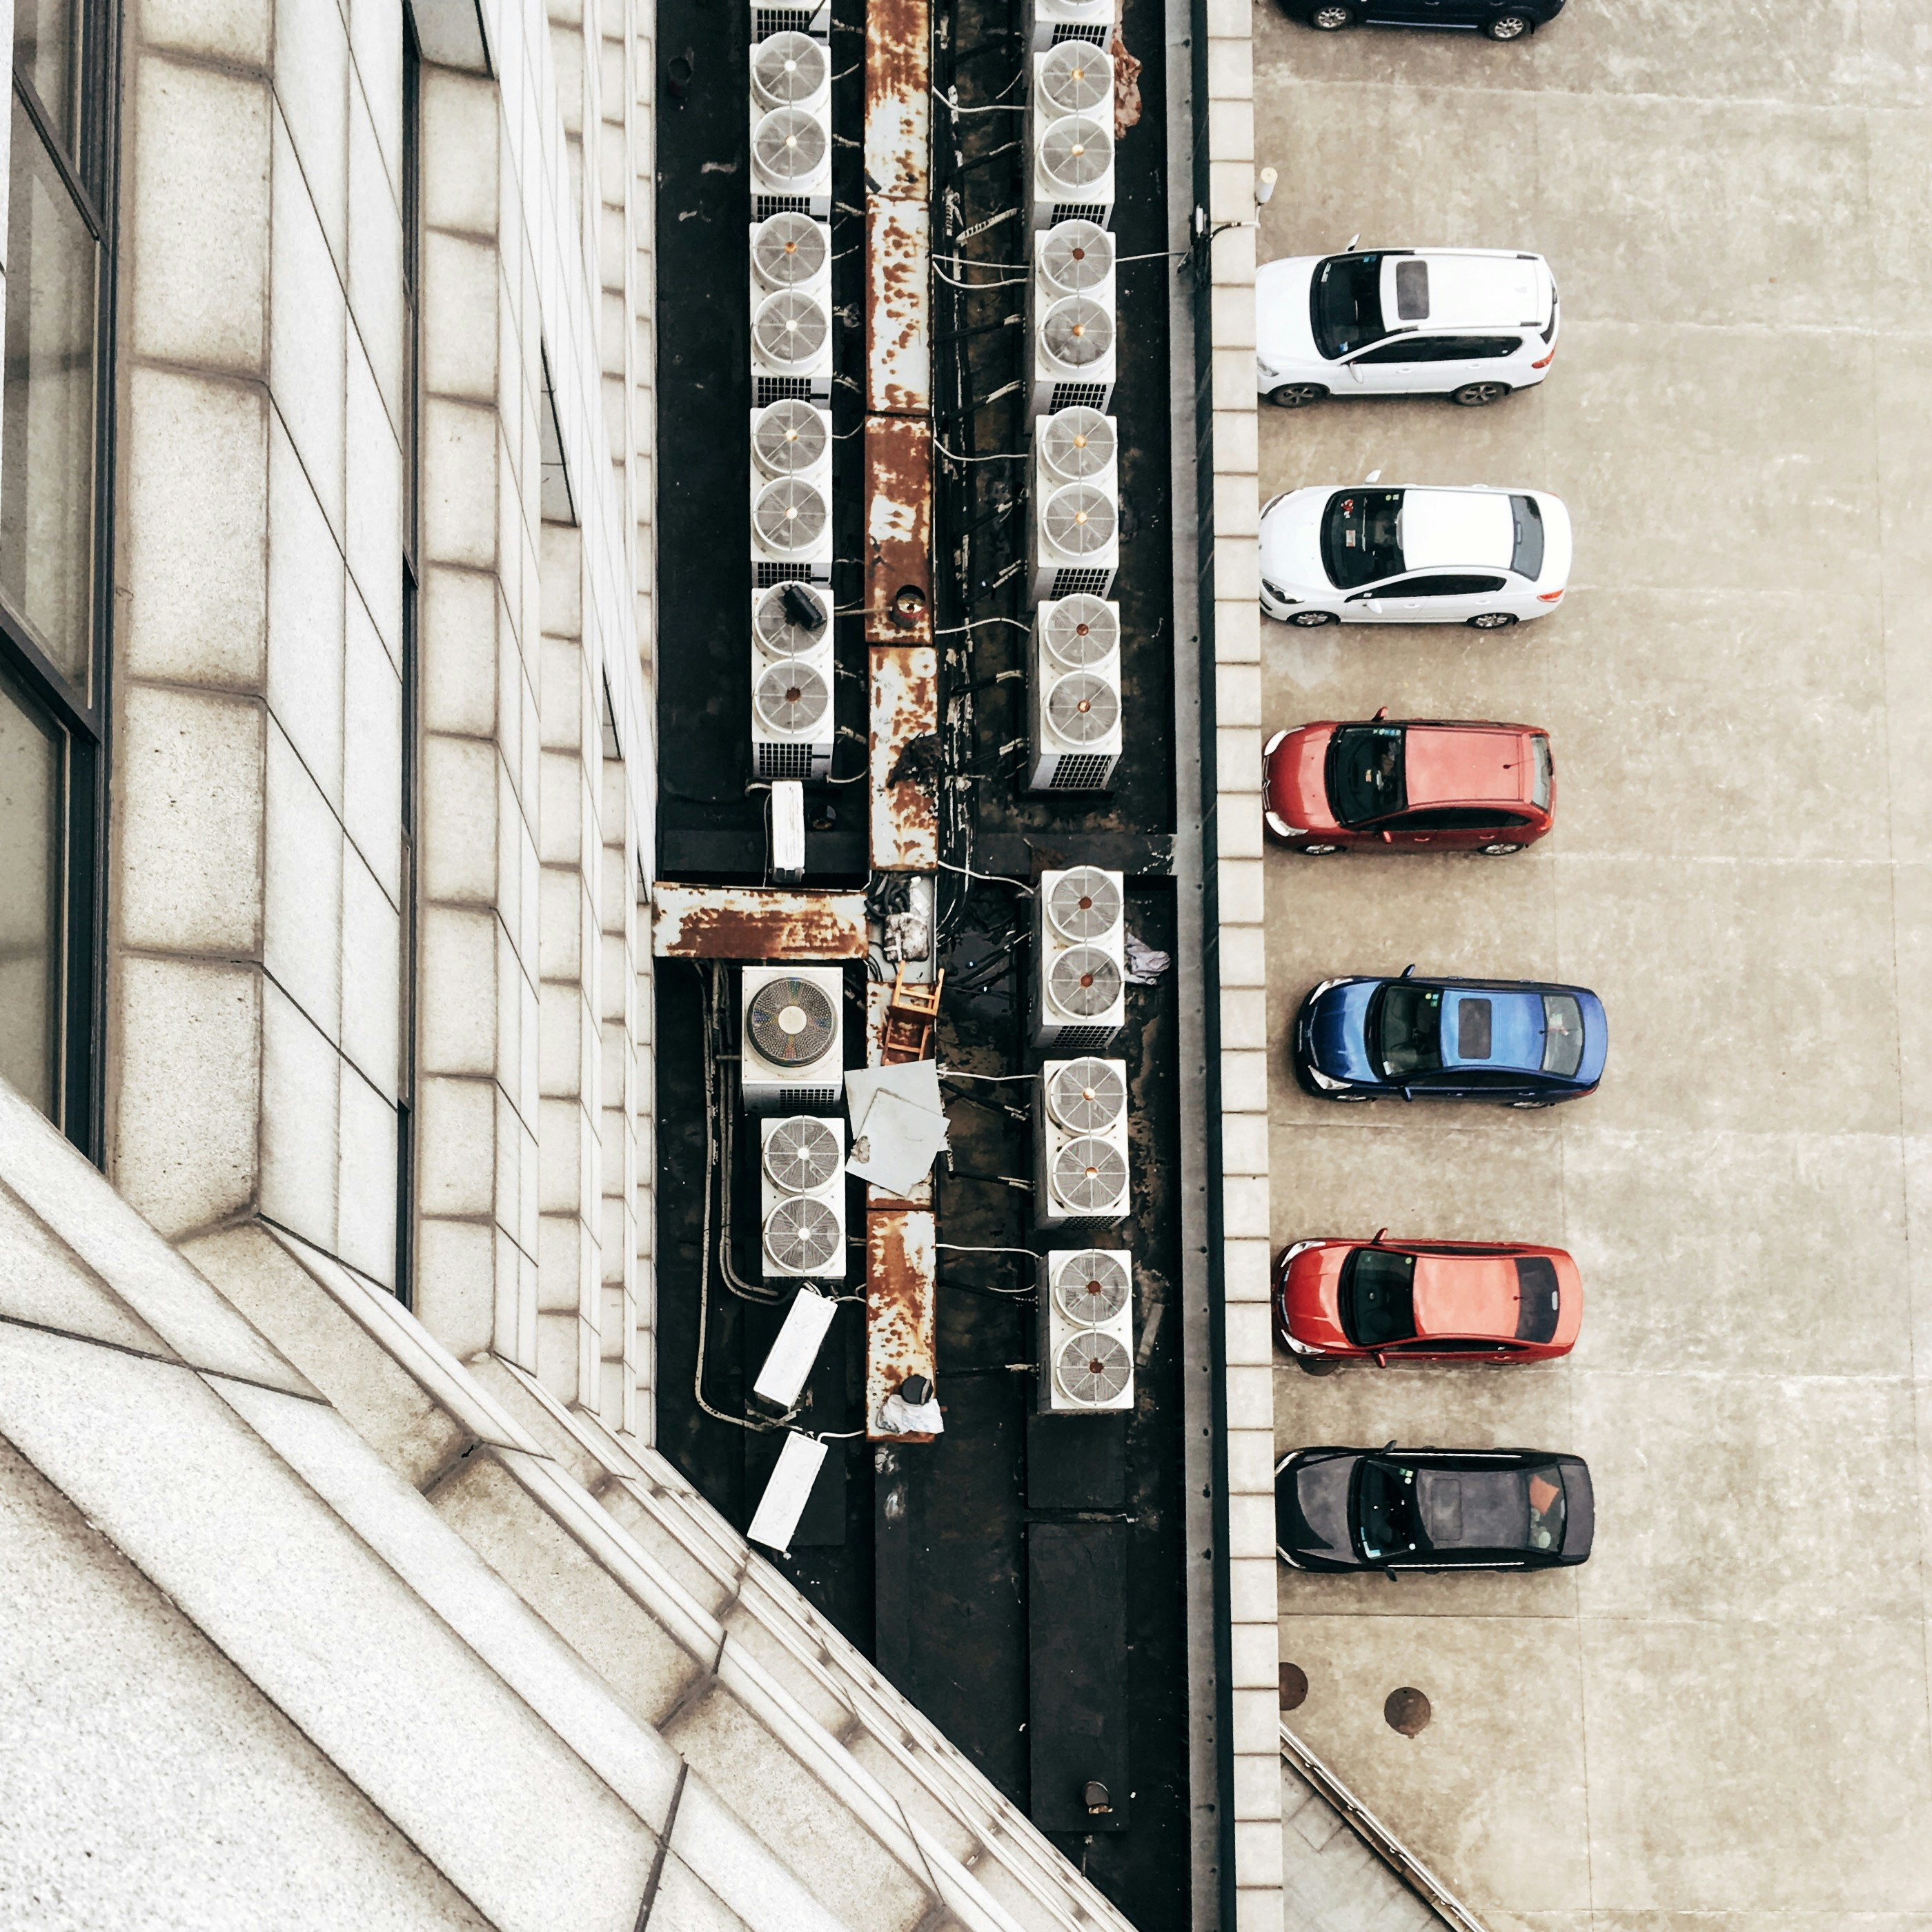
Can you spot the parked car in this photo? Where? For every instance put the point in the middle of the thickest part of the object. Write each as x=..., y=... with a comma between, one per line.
x=1393, y=1510
x=1461, y=554
x=1409, y=784
x=1471, y=324
x=1518, y=1042
x=1501, y=20
x=1426, y=1301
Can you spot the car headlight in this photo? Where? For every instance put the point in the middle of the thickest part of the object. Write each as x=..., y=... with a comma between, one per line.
x=1322, y=1080
x=1280, y=827
x=1276, y=593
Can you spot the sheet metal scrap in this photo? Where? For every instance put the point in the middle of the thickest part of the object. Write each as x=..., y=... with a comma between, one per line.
x=901, y=1274
x=898, y=530
x=905, y=764
x=878, y=997
x=898, y=335
x=898, y=103
x=733, y=923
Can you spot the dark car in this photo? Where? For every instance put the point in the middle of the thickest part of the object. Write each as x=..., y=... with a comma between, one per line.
x=1395, y=1509
x=1514, y=1042
x=1501, y=20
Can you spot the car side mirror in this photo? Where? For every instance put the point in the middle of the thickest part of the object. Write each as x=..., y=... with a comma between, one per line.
x=1409, y=1093
x=1408, y=972
x=1389, y=1573
x=1382, y=1358
x=1378, y=1241
x=1388, y=838
x=1379, y=715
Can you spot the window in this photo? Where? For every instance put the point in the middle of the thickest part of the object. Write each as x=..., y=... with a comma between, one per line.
x=1459, y=818
x=1365, y=772
x=1539, y=1300
x=1474, y=1030
x=55, y=458
x=1345, y=303
x=1543, y=786
x=1361, y=536
x=1405, y=349
x=1441, y=348
x=1562, y=1034
x=1527, y=559
x=1377, y=1297
x=1411, y=290
x=1446, y=586
x=1406, y=1024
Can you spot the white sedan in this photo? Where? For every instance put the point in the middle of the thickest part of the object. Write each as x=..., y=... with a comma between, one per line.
x=1471, y=324
x=1452, y=555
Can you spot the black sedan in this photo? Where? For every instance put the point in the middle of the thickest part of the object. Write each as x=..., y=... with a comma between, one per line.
x=1393, y=1510
x=1501, y=20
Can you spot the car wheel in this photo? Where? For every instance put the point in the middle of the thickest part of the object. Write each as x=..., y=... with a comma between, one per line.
x=1296, y=395
x=1501, y=849
x=1309, y=620
x=1342, y=1098
x=1492, y=620
x=1318, y=851
x=1474, y=395
x=1509, y=26
x=1528, y=1106
x=1332, y=19
x=1318, y=1365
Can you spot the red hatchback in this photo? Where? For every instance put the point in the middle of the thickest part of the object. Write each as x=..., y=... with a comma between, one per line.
x=1426, y=1301
x=1410, y=784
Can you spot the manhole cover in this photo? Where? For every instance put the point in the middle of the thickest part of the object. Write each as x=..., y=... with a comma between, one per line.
x=1294, y=1687
x=1406, y=1711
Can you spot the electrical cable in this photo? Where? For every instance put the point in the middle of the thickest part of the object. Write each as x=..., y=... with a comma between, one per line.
x=989, y=878
x=956, y=1073
x=971, y=1248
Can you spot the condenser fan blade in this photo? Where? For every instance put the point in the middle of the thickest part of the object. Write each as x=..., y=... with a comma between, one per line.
x=1083, y=903
x=1091, y=1288
x=1092, y=1369
x=1077, y=255
x=790, y=249
x=1090, y=1175
x=1080, y=630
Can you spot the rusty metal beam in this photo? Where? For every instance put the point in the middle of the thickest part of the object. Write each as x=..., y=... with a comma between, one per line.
x=898, y=530
x=898, y=99
x=905, y=773
x=899, y=329
x=901, y=1279
x=735, y=922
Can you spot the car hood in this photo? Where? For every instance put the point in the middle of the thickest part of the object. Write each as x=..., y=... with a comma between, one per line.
x=1312, y=1517
x=1310, y=1296
x=1456, y=528
x=1283, y=332
x=1297, y=786
x=1291, y=542
x=1579, y=1510
x=1337, y=1041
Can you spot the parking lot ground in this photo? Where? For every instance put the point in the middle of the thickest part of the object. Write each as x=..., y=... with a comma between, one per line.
x=1721, y=1721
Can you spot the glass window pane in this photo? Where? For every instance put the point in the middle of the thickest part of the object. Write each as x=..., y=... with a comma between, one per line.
x=30, y=926
x=46, y=417
x=44, y=32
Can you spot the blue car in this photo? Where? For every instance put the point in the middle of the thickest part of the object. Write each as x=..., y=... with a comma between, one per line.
x=1517, y=1042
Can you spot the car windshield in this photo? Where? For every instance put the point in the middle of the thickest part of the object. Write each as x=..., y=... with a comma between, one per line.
x=1545, y=1485
x=1387, y=1522
x=1377, y=1297
x=1543, y=783
x=1345, y=303
x=1527, y=560
x=1538, y=1301
x=1562, y=1034
x=1361, y=537
x=1405, y=1024
x=1365, y=772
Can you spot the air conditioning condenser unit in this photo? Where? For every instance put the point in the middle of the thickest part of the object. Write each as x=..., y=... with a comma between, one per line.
x=1086, y=1332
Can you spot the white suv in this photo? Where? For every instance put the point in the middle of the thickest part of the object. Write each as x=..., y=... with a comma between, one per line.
x=1471, y=324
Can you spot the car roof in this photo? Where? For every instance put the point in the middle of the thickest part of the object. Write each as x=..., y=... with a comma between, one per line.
x=1514, y=1028
x=1446, y=529
x=1465, y=765
x=1464, y=289
x=1466, y=1294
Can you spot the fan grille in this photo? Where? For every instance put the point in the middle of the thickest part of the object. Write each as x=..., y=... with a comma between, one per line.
x=1081, y=632
x=802, y=1154
x=1083, y=708
x=1092, y=1369
x=802, y=1236
x=790, y=329
x=1085, y=1095
x=1085, y=903
x=1085, y=982
x=789, y=249
x=1077, y=255
x=1090, y=1175
x=1077, y=443
x=788, y=145
x=788, y=68
x=1090, y=1287
x=1075, y=152
x=788, y=437
x=792, y=1022
x=1076, y=77
x=1079, y=519
x=790, y=618
x=1077, y=332
x=789, y=516
x=792, y=699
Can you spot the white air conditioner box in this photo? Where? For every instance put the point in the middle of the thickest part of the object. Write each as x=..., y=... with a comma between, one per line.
x=1071, y=77
x=790, y=250
x=793, y=1356
x=1076, y=543
x=1074, y=695
x=1080, y=1143
x=1086, y=1332
x=1073, y=258
x=1073, y=169
x=776, y=1521
x=790, y=107
x=791, y=528
x=1080, y=927
x=792, y=438
x=792, y=1043
x=791, y=619
x=801, y=1201
x=793, y=731
x=1075, y=353
x=1050, y=22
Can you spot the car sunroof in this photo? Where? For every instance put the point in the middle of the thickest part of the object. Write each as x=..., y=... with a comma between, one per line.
x=1411, y=291
x=1472, y=1030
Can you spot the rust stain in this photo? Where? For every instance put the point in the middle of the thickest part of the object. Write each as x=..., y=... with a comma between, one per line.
x=722, y=923
x=898, y=101
x=898, y=530
x=901, y=1272
x=898, y=259
x=904, y=760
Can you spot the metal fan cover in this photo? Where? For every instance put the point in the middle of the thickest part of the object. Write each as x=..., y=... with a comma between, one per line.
x=1076, y=256
x=1080, y=520
x=1084, y=981
x=802, y=1236
x=1090, y=1287
x=790, y=328
x=788, y=145
x=1076, y=77
x=1075, y=152
x=1077, y=442
x=1081, y=632
x=1082, y=708
x=1083, y=903
x=1090, y=1175
x=789, y=436
x=780, y=631
x=1085, y=1095
x=802, y=1154
x=792, y=1022
x=788, y=68
x=791, y=248
x=1077, y=332
x=792, y=699
x=790, y=515
x=1092, y=1368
